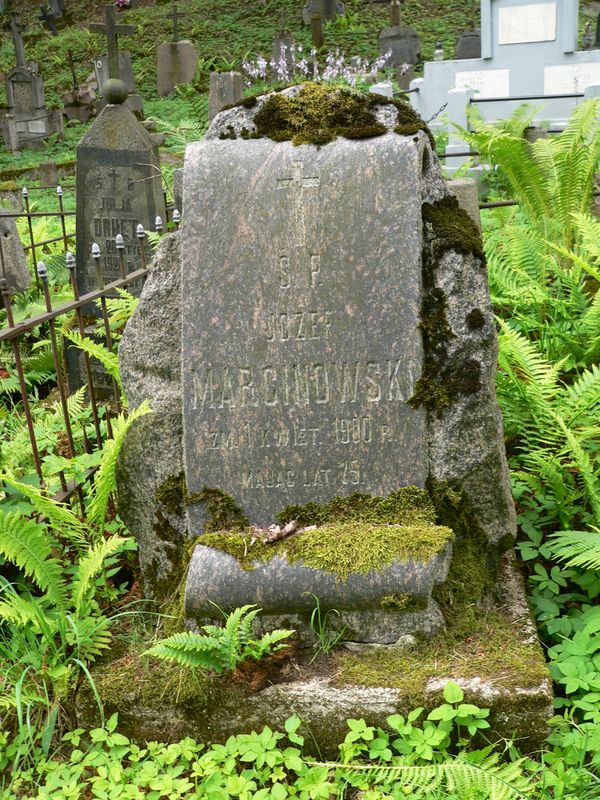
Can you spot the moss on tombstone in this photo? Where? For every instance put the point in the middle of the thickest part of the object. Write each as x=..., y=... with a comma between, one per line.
x=222, y=510
x=405, y=505
x=493, y=649
x=340, y=548
x=447, y=227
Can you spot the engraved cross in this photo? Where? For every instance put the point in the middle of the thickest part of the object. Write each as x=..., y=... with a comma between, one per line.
x=298, y=184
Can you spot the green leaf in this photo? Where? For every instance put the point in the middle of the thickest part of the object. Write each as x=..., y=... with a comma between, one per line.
x=453, y=693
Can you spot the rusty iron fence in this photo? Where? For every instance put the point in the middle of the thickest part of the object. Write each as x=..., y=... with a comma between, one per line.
x=47, y=324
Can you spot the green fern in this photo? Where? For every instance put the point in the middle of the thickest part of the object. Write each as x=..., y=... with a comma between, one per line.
x=60, y=517
x=109, y=361
x=105, y=480
x=577, y=548
x=27, y=544
x=492, y=780
x=88, y=568
x=221, y=649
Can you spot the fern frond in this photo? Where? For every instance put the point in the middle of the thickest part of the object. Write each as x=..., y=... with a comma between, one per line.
x=577, y=548
x=104, y=483
x=189, y=649
x=59, y=516
x=584, y=466
x=492, y=780
x=89, y=566
x=27, y=544
x=109, y=361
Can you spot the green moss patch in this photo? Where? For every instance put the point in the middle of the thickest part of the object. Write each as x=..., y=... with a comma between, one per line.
x=405, y=505
x=340, y=548
x=492, y=650
x=452, y=229
x=223, y=512
x=447, y=227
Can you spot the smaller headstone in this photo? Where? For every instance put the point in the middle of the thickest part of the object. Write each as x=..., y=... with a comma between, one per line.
x=116, y=64
x=402, y=43
x=48, y=173
x=176, y=65
x=588, y=36
x=225, y=88
x=118, y=187
x=80, y=102
x=28, y=121
x=326, y=9
x=102, y=69
x=176, y=59
x=13, y=261
x=469, y=44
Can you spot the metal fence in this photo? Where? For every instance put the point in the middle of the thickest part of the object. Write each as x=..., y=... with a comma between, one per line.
x=46, y=325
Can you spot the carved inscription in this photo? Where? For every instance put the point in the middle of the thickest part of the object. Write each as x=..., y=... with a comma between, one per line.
x=303, y=348
x=116, y=192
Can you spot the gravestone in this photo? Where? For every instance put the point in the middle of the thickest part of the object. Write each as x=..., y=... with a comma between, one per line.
x=224, y=89
x=134, y=100
x=283, y=48
x=27, y=122
x=469, y=45
x=402, y=43
x=320, y=332
x=326, y=9
x=13, y=261
x=176, y=59
x=118, y=187
x=298, y=371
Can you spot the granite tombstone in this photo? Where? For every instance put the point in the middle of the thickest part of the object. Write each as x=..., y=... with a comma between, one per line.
x=469, y=45
x=330, y=333
x=27, y=121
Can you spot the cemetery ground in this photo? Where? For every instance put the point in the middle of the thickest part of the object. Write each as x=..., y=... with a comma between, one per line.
x=90, y=674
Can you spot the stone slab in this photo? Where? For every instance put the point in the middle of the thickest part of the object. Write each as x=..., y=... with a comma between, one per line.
x=520, y=703
x=176, y=64
x=215, y=577
x=469, y=45
x=301, y=341
x=13, y=261
x=118, y=186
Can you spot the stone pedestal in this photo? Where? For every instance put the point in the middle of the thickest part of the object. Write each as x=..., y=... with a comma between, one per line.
x=176, y=65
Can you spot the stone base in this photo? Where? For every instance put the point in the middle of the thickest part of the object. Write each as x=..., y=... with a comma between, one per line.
x=499, y=664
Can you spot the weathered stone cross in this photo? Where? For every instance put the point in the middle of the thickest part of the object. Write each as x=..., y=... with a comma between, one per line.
x=298, y=183
x=112, y=31
x=17, y=29
x=175, y=16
